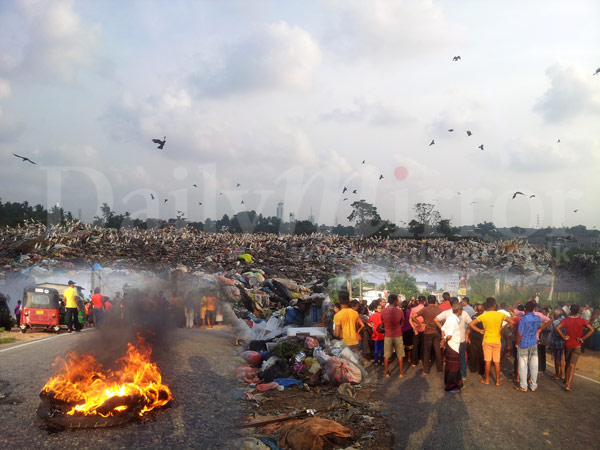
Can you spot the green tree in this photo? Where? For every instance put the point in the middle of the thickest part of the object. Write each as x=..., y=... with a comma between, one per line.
x=366, y=218
x=304, y=227
x=426, y=214
x=445, y=228
x=486, y=229
x=416, y=228
x=401, y=283
x=481, y=286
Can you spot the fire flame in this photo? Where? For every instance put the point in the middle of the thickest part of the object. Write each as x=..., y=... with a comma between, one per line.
x=84, y=383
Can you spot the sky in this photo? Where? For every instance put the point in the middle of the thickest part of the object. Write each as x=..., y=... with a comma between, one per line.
x=287, y=99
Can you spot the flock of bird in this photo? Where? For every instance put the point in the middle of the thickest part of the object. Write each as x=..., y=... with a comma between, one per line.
x=161, y=144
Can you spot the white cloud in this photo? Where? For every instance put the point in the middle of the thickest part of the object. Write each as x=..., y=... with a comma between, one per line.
x=374, y=112
x=535, y=156
x=573, y=92
x=391, y=29
x=10, y=128
x=59, y=44
x=278, y=56
x=4, y=88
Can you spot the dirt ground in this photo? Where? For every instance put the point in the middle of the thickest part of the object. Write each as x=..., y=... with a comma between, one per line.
x=364, y=416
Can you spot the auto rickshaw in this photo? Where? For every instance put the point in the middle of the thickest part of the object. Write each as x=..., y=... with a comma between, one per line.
x=42, y=308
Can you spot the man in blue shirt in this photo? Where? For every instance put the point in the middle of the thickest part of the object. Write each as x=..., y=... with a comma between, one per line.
x=527, y=348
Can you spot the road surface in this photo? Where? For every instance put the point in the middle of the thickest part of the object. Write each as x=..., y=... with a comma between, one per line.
x=195, y=364
x=424, y=416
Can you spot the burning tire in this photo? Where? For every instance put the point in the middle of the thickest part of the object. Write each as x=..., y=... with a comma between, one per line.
x=57, y=418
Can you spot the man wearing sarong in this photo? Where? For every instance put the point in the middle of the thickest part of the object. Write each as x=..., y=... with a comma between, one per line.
x=451, y=341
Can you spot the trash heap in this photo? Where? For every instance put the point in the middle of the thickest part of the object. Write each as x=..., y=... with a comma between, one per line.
x=303, y=388
x=300, y=258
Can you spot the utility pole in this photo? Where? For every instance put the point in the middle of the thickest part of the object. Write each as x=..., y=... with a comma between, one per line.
x=350, y=282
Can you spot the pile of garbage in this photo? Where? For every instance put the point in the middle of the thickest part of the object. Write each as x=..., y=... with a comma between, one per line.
x=301, y=258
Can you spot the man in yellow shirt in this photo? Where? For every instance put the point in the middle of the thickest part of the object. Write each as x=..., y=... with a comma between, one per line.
x=347, y=323
x=70, y=297
x=492, y=326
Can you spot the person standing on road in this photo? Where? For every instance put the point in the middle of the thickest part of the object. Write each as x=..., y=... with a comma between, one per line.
x=451, y=335
x=377, y=337
x=347, y=324
x=467, y=307
x=492, y=327
x=70, y=296
x=392, y=318
x=526, y=342
x=557, y=346
x=18, y=313
x=571, y=329
x=98, y=302
x=464, y=322
x=189, y=305
x=432, y=338
x=418, y=343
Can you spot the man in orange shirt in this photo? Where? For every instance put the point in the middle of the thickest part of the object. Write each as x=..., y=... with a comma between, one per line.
x=347, y=323
x=492, y=326
x=98, y=302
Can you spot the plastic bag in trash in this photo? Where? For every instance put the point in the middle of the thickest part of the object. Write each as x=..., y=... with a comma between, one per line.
x=321, y=356
x=279, y=369
x=349, y=355
x=251, y=357
x=337, y=371
x=311, y=342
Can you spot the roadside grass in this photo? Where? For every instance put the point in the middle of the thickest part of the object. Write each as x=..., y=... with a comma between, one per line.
x=7, y=340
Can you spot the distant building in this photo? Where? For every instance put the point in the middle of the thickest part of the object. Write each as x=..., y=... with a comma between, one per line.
x=280, y=210
x=292, y=217
x=424, y=286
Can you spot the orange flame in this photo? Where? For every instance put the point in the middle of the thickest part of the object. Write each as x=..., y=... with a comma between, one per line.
x=83, y=382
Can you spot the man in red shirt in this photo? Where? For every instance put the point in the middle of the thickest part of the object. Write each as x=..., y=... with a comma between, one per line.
x=571, y=330
x=418, y=342
x=433, y=337
x=98, y=302
x=446, y=305
x=392, y=318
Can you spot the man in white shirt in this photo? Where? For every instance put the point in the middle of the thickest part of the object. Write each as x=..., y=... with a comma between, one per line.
x=451, y=332
x=464, y=321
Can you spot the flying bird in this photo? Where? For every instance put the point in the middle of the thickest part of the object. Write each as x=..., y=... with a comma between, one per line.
x=432, y=142
x=459, y=193
x=200, y=203
x=160, y=143
x=363, y=161
x=195, y=185
x=517, y=193
x=25, y=159
x=456, y=58
x=238, y=185
x=345, y=189
x=152, y=196
x=558, y=141
x=381, y=177
x=345, y=198
x=469, y=133
x=354, y=191
x=166, y=200
x=451, y=130
x=220, y=193
x=597, y=71
x=481, y=147
x=531, y=196
x=472, y=203
x=242, y=202
x=575, y=210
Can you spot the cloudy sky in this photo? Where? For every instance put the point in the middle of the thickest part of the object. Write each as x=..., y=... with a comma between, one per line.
x=288, y=98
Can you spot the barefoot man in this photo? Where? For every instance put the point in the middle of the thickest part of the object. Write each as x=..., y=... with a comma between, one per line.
x=491, y=320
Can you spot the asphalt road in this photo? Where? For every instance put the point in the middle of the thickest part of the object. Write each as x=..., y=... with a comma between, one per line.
x=424, y=416
x=195, y=364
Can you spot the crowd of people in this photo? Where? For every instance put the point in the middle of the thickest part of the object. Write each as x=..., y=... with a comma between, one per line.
x=197, y=308
x=469, y=338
